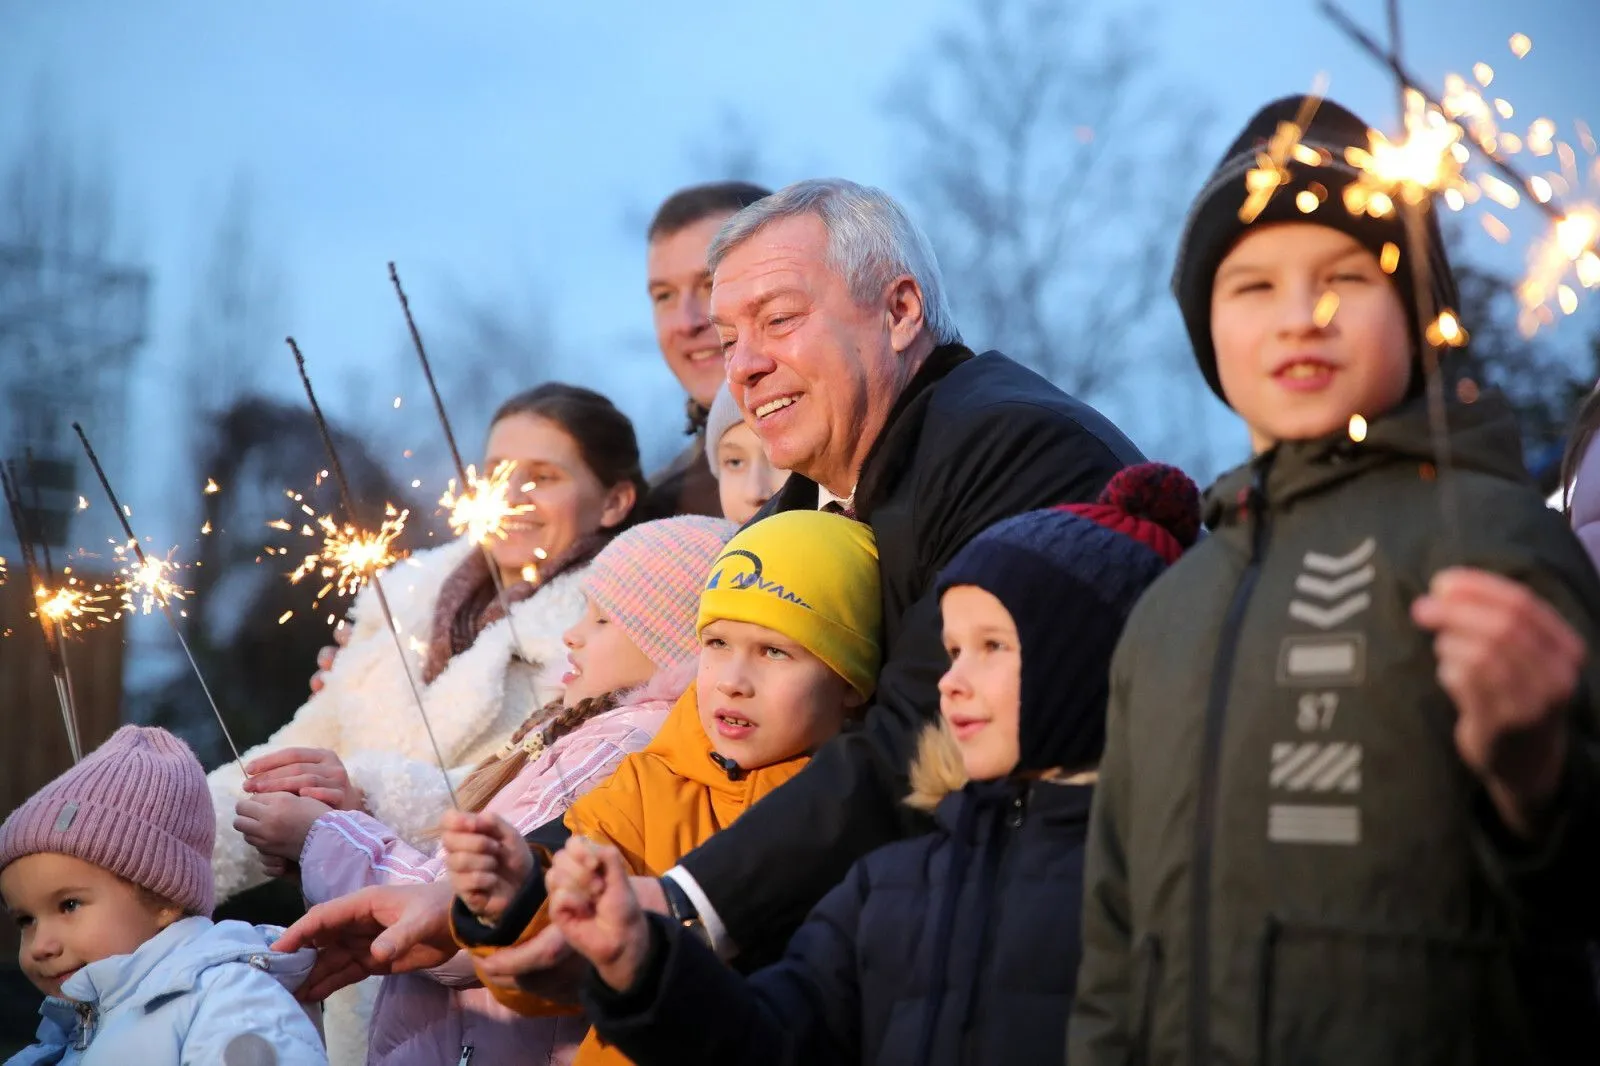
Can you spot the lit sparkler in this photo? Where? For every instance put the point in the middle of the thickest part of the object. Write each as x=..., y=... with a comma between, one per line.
x=349, y=557
x=367, y=553
x=1427, y=161
x=1569, y=249
x=149, y=582
x=480, y=511
x=462, y=471
x=123, y=514
x=72, y=605
x=52, y=611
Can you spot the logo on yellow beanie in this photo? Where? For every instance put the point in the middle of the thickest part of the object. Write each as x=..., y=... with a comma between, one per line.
x=741, y=578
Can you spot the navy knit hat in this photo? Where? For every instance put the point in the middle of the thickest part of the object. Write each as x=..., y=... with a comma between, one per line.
x=1069, y=576
x=1213, y=226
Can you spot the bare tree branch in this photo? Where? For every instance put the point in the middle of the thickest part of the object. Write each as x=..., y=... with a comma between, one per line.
x=1051, y=169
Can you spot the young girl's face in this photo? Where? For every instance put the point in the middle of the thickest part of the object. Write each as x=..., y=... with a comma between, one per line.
x=1291, y=372
x=764, y=698
x=71, y=913
x=601, y=658
x=568, y=499
x=745, y=479
x=980, y=695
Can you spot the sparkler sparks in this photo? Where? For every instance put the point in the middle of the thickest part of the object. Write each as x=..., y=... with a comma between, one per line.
x=1425, y=162
x=481, y=511
x=148, y=582
x=73, y=605
x=1570, y=246
x=348, y=556
x=1271, y=170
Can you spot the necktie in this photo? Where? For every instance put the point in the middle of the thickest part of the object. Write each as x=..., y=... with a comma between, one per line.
x=840, y=507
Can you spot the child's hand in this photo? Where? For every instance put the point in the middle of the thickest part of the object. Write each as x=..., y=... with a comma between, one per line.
x=313, y=772
x=488, y=862
x=593, y=905
x=276, y=823
x=276, y=868
x=1510, y=663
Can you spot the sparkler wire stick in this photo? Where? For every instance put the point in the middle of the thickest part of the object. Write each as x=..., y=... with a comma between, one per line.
x=1411, y=215
x=455, y=452
x=63, y=680
x=53, y=637
x=166, y=608
x=35, y=523
x=377, y=586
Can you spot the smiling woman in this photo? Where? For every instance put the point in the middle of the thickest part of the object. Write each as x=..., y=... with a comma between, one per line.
x=359, y=743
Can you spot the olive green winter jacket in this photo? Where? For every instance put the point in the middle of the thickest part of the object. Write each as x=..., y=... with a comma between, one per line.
x=1288, y=861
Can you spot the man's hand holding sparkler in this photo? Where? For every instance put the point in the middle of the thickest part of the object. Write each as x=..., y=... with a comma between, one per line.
x=1511, y=665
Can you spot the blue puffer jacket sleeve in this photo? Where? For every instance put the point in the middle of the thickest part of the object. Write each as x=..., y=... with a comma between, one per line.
x=244, y=1009
x=688, y=1007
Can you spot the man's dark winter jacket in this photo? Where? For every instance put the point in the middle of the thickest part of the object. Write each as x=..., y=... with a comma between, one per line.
x=972, y=440
x=684, y=486
x=1288, y=860
x=956, y=947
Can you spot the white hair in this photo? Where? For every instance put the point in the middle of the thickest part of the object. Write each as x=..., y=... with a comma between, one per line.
x=871, y=241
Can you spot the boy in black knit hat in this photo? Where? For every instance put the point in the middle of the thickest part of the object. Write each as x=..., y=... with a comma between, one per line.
x=959, y=946
x=1348, y=806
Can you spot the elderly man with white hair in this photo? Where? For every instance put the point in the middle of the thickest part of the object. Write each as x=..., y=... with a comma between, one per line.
x=843, y=355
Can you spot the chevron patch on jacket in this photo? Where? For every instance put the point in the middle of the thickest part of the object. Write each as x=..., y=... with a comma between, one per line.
x=1333, y=588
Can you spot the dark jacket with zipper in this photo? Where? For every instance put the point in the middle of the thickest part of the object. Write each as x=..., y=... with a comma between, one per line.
x=956, y=947
x=971, y=440
x=1288, y=860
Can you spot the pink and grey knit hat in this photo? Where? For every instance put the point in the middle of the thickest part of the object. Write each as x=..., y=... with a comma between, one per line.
x=137, y=806
x=648, y=581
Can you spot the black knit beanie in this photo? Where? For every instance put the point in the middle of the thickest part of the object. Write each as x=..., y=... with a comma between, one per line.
x=1069, y=576
x=1213, y=226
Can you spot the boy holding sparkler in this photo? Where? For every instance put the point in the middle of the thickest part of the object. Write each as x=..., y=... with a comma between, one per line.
x=1347, y=810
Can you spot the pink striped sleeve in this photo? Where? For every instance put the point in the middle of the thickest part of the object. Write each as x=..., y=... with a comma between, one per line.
x=347, y=850
x=575, y=764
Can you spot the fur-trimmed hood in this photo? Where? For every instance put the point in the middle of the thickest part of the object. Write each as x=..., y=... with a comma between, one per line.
x=936, y=769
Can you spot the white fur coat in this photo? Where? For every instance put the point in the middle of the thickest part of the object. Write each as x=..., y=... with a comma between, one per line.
x=367, y=714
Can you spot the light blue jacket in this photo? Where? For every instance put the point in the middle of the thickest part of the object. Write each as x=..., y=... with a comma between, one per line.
x=181, y=999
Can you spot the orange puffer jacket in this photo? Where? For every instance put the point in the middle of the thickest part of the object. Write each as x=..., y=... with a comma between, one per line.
x=660, y=804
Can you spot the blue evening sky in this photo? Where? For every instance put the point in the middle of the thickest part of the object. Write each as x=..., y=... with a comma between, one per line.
x=508, y=150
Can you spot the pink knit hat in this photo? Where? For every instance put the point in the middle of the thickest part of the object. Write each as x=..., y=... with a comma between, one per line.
x=648, y=581
x=138, y=806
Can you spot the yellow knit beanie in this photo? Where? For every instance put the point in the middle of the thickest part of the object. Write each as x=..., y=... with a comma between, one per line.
x=812, y=576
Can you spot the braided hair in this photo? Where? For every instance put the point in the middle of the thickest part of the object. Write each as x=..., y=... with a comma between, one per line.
x=531, y=740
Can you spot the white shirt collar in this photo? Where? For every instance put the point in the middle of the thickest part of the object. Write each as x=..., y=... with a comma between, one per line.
x=824, y=498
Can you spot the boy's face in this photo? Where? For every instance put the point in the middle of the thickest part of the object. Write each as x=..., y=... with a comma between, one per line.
x=71, y=913
x=745, y=479
x=1291, y=372
x=601, y=657
x=980, y=695
x=763, y=698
